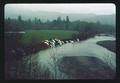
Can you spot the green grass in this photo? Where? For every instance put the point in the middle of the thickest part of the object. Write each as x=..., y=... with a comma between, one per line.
x=40, y=35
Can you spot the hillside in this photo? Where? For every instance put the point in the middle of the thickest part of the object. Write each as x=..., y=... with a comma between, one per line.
x=45, y=15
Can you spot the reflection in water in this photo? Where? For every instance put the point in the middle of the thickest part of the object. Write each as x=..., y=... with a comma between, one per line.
x=84, y=67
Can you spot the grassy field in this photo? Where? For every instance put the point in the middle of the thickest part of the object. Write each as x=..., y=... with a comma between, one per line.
x=40, y=35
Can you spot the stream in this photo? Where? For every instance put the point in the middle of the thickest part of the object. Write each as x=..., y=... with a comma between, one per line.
x=47, y=59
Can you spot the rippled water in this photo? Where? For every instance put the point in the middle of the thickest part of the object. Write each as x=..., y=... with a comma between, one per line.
x=48, y=58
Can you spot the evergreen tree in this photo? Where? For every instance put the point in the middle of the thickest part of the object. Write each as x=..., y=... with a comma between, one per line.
x=20, y=19
x=67, y=22
x=59, y=20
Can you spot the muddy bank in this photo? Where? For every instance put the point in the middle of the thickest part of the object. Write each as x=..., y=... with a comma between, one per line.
x=109, y=44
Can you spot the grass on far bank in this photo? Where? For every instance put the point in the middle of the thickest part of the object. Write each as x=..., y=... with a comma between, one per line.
x=40, y=35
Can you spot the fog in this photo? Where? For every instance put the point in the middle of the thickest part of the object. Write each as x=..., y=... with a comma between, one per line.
x=99, y=9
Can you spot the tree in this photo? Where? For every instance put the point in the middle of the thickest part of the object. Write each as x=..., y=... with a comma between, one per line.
x=67, y=22
x=59, y=20
x=75, y=25
x=19, y=18
x=35, y=21
x=98, y=23
x=39, y=20
x=48, y=21
x=20, y=21
x=29, y=21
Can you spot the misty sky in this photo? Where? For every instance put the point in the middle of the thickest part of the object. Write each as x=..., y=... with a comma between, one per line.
x=68, y=8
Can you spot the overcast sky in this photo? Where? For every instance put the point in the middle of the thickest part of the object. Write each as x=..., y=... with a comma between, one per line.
x=68, y=8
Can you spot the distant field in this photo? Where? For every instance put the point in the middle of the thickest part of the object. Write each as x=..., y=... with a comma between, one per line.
x=39, y=35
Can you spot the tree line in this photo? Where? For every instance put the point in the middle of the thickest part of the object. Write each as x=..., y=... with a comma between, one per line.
x=57, y=24
x=35, y=24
